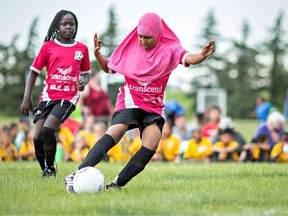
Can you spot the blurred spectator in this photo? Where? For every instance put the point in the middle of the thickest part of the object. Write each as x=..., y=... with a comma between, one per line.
x=279, y=152
x=199, y=148
x=169, y=144
x=173, y=109
x=8, y=151
x=258, y=150
x=182, y=131
x=120, y=151
x=227, y=123
x=198, y=121
x=88, y=131
x=13, y=128
x=24, y=126
x=262, y=109
x=273, y=128
x=158, y=156
x=226, y=149
x=100, y=130
x=136, y=142
x=80, y=149
x=27, y=151
x=95, y=101
x=65, y=139
x=214, y=116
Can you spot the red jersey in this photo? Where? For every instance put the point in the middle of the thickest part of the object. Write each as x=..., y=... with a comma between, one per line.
x=64, y=64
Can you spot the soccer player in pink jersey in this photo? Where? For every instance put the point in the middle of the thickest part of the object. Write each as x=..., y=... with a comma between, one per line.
x=146, y=58
x=68, y=71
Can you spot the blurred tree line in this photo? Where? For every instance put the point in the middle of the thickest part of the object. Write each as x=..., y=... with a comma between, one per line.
x=244, y=71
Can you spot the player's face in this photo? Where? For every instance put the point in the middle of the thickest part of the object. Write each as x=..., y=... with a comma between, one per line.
x=148, y=42
x=67, y=28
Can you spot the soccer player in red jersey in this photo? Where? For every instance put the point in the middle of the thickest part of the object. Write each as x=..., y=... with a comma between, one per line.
x=68, y=71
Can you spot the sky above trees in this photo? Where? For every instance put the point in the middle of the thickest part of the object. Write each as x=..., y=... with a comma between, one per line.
x=185, y=17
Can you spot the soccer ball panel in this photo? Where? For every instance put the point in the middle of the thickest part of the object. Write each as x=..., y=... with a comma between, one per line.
x=88, y=180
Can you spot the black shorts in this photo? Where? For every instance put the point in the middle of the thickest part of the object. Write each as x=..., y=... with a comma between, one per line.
x=61, y=109
x=137, y=118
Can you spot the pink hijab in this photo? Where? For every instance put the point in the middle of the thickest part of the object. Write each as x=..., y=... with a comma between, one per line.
x=132, y=60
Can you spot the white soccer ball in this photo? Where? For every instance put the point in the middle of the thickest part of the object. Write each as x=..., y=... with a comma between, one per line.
x=88, y=180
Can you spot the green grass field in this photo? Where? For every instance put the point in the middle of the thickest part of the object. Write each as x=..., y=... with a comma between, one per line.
x=161, y=189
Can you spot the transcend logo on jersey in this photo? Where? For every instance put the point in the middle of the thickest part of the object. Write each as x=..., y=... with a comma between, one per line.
x=146, y=89
x=63, y=77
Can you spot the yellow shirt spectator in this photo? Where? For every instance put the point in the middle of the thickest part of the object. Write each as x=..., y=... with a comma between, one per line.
x=170, y=147
x=80, y=150
x=135, y=145
x=280, y=152
x=198, y=151
x=8, y=150
x=10, y=153
x=27, y=151
x=231, y=145
x=66, y=138
x=91, y=137
x=120, y=151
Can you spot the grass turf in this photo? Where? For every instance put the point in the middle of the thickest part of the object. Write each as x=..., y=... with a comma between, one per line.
x=161, y=189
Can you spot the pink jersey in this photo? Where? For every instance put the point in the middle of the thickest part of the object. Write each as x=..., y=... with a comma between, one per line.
x=64, y=64
x=145, y=95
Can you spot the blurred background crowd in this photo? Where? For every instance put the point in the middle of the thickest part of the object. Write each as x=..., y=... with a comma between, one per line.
x=209, y=137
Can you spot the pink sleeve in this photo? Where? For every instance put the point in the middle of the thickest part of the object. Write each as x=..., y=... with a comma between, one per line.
x=182, y=58
x=181, y=52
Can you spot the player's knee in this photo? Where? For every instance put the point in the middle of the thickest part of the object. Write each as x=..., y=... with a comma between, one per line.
x=47, y=132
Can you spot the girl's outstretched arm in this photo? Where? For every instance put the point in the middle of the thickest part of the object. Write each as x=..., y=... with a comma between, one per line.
x=102, y=61
x=197, y=58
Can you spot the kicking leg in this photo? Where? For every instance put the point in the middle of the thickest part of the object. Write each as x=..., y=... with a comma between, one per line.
x=150, y=140
x=103, y=145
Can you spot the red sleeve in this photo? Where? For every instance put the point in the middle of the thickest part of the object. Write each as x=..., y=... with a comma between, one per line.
x=85, y=65
x=40, y=60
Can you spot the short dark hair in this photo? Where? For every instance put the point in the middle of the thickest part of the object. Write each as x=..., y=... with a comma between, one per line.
x=226, y=130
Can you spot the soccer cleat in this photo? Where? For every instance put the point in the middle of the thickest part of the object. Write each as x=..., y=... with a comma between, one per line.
x=49, y=172
x=112, y=186
x=69, y=183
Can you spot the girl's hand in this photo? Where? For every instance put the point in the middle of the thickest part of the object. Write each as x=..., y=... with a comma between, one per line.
x=83, y=80
x=97, y=44
x=81, y=85
x=209, y=48
x=26, y=106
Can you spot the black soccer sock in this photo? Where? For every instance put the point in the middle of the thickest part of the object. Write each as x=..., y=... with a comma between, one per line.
x=96, y=154
x=136, y=164
x=39, y=152
x=50, y=144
